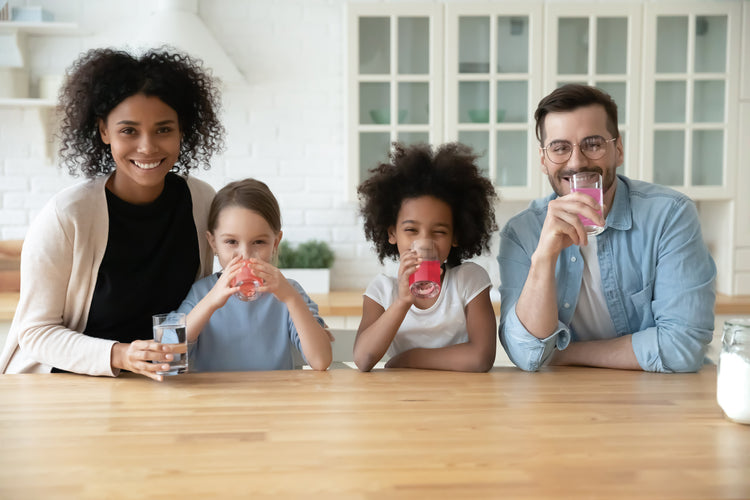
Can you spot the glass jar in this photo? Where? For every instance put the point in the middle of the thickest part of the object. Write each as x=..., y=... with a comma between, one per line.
x=733, y=378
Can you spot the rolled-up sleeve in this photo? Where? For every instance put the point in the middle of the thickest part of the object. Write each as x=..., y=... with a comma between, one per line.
x=524, y=349
x=527, y=351
x=683, y=298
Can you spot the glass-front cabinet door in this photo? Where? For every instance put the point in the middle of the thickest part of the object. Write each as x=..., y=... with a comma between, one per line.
x=493, y=67
x=475, y=72
x=600, y=47
x=690, y=74
x=394, y=80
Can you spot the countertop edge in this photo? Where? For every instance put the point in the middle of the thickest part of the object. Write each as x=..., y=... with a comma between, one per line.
x=349, y=303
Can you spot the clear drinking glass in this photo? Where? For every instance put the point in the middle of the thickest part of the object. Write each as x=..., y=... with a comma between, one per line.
x=171, y=328
x=589, y=183
x=248, y=283
x=424, y=283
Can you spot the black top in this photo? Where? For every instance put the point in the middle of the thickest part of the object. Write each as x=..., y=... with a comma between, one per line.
x=150, y=263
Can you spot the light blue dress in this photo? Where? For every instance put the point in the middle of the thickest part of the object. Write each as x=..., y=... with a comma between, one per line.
x=245, y=336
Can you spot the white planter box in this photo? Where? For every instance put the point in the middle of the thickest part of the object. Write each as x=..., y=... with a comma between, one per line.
x=312, y=280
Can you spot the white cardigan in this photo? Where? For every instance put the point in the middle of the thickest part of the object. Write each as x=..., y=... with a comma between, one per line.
x=60, y=262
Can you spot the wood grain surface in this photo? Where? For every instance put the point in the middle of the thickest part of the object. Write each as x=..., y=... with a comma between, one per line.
x=561, y=433
x=349, y=303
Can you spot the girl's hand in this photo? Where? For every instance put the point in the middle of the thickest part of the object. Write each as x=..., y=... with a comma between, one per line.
x=214, y=299
x=137, y=357
x=223, y=289
x=408, y=264
x=273, y=280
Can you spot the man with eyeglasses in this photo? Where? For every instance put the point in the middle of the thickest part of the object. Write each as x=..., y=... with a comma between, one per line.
x=639, y=295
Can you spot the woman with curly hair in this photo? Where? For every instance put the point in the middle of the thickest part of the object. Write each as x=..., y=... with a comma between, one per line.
x=438, y=195
x=104, y=255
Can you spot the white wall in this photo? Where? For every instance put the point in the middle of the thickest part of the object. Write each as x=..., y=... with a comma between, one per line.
x=285, y=127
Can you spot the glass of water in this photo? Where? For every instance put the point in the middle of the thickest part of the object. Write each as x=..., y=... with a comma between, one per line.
x=171, y=328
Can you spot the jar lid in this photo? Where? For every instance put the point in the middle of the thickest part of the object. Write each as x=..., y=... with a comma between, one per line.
x=739, y=322
x=736, y=332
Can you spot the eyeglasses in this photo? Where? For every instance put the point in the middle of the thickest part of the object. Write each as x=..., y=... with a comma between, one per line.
x=592, y=148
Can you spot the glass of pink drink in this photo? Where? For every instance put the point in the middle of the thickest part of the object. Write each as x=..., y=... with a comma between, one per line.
x=248, y=283
x=424, y=283
x=589, y=183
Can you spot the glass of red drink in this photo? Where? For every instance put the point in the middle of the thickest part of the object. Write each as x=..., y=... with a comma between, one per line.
x=248, y=283
x=589, y=183
x=424, y=283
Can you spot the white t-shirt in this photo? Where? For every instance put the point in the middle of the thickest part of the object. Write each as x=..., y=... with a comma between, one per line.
x=444, y=323
x=591, y=320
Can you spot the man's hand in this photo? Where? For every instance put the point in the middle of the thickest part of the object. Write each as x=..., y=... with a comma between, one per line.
x=562, y=226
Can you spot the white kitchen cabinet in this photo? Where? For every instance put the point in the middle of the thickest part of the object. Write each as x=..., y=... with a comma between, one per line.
x=742, y=184
x=741, y=233
x=679, y=72
x=395, y=79
x=745, y=53
x=690, y=96
x=493, y=80
x=599, y=46
x=672, y=68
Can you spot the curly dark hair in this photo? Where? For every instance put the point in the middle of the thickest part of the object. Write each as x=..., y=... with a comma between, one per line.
x=100, y=79
x=450, y=174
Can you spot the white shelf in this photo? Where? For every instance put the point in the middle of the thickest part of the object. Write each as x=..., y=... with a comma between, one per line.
x=40, y=28
x=27, y=102
x=18, y=31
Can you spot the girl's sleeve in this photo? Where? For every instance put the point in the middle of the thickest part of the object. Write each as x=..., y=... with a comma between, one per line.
x=312, y=306
x=473, y=279
x=380, y=290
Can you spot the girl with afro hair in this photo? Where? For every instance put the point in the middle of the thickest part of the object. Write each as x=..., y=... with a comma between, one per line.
x=106, y=254
x=439, y=195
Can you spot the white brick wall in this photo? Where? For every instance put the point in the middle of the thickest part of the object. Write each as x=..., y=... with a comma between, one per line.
x=285, y=127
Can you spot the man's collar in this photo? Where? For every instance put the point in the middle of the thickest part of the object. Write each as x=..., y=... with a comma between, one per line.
x=620, y=216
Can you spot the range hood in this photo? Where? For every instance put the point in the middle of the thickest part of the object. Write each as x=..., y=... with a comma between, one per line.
x=175, y=23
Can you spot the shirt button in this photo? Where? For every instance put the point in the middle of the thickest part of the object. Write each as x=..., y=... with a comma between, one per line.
x=572, y=259
x=566, y=305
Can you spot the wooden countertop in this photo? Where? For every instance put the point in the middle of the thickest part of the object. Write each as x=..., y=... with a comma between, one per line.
x=349, y=303
x=8, y=302
x=562, y=433
x=736, y=304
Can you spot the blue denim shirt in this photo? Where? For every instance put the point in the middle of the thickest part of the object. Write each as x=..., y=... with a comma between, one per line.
x=657, y=278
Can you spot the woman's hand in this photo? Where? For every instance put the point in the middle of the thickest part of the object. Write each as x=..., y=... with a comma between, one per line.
x=137, y=357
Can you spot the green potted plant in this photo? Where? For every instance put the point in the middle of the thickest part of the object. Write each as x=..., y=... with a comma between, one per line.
x=308, y=263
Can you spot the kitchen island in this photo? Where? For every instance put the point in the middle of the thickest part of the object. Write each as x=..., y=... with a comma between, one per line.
x=560, y=433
